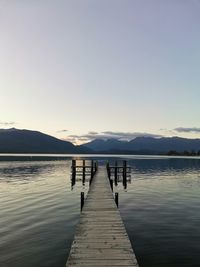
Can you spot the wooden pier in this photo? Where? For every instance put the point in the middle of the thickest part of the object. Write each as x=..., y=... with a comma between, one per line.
x=100, y=238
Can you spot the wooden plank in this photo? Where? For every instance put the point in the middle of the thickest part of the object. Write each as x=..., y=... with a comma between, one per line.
x=100, y=238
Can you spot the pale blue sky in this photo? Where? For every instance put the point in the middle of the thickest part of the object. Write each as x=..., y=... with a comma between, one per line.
x=100, y=65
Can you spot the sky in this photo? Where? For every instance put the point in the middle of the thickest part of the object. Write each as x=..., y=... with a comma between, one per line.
x=81, y=69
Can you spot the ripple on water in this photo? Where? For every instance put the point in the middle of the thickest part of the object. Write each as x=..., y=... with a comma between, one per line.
x=160, y=208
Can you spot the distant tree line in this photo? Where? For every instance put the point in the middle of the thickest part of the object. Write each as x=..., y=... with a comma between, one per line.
x=184, y=153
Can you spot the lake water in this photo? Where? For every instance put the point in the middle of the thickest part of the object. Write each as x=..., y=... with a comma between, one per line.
x=39, y=211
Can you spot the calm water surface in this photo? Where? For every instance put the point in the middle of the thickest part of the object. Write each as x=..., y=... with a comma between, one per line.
x=160, y=207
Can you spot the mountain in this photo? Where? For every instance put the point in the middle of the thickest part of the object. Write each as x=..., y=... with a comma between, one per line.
x=104, y=145
x=165, y=144
x=147, y=145
x=26, y=141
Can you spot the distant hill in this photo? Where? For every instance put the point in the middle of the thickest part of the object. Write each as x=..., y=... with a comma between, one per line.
x=26, y=141
x=105, y=145
x=147, y=145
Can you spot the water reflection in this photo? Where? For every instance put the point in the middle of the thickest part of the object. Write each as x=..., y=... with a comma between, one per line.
x=10, y=174
x=165, y=165
x=160, y=209
x=38, y=213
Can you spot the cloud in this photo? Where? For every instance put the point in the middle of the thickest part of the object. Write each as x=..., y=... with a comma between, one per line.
x=7, y=123
x=129, y=135
x=187, y=130
x=122, y=136
x=62, y=131
x=73, y=136
x=76, y=139
x=94, y=133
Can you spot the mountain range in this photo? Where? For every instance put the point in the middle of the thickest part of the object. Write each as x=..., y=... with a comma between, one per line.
x=145, y=145
x=25, y=141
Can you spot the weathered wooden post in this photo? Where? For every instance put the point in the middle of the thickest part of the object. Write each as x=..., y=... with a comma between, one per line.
x=117, y=199
x=74, y=167
x=107, y=166
x=82, y=200
x=83, y=172
x=108, y=169
x=96, y=166
x=116, y=171
x=73, y=172
x=111, y=184
x=124, y=174
x=92, y=169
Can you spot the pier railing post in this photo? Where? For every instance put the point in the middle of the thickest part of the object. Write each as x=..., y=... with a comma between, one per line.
x=124, y=174
x=92, y=169
x=108, y=169
x=117, y=199
x=116, y=171
x=96, y=166
x=111, y=184
x=82, y=200
x=73, y=172
x=83, y=172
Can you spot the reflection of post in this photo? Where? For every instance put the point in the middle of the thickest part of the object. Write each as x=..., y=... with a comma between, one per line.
x=73, y=172
x=124, y=174
x=116, y=173
x=83, y=172
x=82, y=200
x=117, y=199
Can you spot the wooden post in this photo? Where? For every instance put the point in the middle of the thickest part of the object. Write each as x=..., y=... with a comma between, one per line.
x=108, y=169
x=111, y=184
x=96, y=166
x=117, y=199
x=92, y=169
x=116, y=172
x=83, y=172
x=82, y=200
x=107, y=166
x=74, y=166
x=73, y=172
x=124, y=174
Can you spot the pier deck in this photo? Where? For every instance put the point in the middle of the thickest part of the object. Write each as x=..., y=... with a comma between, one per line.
x=100, y=238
